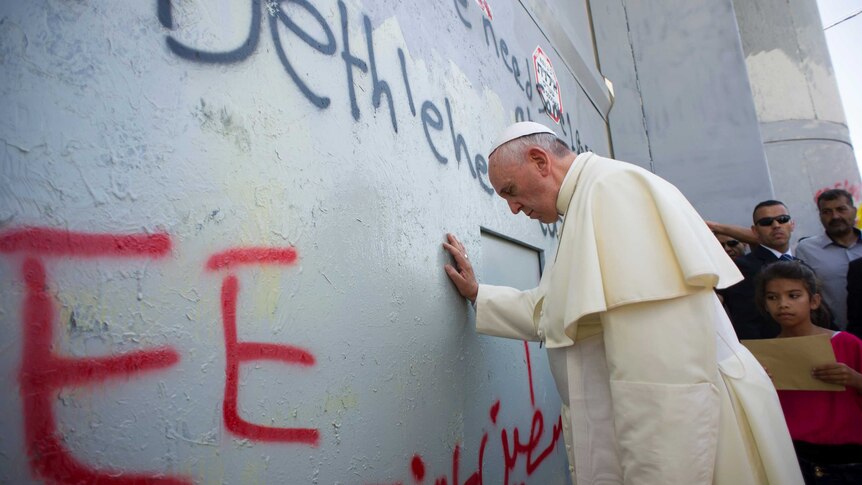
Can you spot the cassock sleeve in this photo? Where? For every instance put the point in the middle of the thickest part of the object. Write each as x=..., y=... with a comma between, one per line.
x=506, y=312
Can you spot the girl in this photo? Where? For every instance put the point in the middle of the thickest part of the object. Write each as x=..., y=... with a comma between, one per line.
x=826, y=426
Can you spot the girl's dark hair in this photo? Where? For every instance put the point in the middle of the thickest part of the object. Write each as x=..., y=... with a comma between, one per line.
x=792, y=270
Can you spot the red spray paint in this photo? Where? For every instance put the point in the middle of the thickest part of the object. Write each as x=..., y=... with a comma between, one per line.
x=239, y=352
x=532, y=449
x=43, y=372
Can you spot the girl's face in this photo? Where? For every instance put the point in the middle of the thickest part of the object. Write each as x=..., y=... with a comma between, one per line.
x=789, y=303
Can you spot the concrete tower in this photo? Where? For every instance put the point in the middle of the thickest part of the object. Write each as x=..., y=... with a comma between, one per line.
x=802, y=122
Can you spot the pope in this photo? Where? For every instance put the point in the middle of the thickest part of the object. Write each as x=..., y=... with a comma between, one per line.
x=655, y=386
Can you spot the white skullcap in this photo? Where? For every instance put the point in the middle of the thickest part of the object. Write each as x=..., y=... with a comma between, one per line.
x=517, y=130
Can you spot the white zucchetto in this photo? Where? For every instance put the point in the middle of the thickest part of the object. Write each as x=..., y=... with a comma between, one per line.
x=517, y=130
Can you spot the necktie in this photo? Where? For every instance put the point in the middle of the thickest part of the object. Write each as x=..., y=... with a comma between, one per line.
x=785, y=257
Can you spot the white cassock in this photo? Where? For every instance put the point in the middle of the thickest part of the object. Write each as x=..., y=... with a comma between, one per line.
x=655, y=386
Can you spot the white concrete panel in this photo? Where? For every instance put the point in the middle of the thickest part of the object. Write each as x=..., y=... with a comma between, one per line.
x=687, y=85
x=788, y=62
x=626, y=119
x=168, y=165
x=801, y=119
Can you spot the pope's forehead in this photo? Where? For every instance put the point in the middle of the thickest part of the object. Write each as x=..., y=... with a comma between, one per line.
x=494, y=169
x=499, y=170
x=500, y=160
x=507, y=153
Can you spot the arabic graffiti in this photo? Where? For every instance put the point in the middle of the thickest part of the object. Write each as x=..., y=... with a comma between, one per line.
x=531, y=448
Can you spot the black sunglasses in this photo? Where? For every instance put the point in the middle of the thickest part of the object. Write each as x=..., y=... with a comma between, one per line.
x=767, y=221
x=731, y=243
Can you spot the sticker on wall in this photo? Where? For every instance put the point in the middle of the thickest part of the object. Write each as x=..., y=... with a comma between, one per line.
x=547, y=85
x=483, y=4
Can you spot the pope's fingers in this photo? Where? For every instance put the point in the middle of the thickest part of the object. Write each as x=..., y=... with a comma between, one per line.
x=454, y=240
x=459, y=255
x=457, y=243
x=457, y=278
x=466, y=286
x=452, y=272
x=452, y=249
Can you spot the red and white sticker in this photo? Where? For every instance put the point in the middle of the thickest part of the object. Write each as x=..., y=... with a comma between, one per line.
x=547, y=85
x=483, y=4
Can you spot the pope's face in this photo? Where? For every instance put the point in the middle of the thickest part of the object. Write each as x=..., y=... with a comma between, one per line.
x=526, y=186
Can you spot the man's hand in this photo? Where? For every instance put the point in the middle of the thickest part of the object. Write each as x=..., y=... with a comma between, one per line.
x=838, y=373
x=740, y=233
x=462, y=273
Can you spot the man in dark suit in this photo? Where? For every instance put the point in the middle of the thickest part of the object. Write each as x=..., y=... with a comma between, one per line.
x=854, y=297
x=773, y=226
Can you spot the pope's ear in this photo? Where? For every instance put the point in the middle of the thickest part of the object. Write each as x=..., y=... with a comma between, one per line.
x=540, y=159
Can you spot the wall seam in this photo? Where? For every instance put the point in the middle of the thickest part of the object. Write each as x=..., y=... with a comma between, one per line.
x=638, y=84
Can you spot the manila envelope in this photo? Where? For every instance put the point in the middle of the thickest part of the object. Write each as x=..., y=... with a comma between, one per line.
x=790, y=360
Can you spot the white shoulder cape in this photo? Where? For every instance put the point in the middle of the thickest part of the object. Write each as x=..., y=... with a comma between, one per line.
x=629, y=236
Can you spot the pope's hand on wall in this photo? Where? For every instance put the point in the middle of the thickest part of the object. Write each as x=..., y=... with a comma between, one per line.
x=462, y=272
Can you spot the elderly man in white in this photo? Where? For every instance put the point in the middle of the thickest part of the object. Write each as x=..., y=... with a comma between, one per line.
x=655, y=386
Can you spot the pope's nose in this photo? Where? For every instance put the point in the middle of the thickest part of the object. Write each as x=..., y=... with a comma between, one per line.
x=514, y=207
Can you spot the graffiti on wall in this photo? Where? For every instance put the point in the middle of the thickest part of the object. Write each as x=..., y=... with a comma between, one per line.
x=535, y=448
x=239, y=352
x=43, y=373
x=441, y=132
x=854, y=189
x=428, y=111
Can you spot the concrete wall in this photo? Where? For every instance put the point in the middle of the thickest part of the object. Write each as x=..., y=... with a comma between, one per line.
x=801, y=119
x=220, y=222
x=734, y=102
x=683, y=104
x=220, y=228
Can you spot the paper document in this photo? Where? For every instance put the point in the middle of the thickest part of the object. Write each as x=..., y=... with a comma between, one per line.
x=789, y=360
